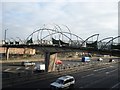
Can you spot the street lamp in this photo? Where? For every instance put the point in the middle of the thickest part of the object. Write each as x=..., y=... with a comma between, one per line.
x=5, y=34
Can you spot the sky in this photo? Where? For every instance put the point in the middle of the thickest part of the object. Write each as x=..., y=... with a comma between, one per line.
x=83, y=17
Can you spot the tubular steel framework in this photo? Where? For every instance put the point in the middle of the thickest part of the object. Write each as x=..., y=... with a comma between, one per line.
x=58, y=36
x=50, y=37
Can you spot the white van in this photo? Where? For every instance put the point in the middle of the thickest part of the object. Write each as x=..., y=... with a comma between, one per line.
x=39, y=67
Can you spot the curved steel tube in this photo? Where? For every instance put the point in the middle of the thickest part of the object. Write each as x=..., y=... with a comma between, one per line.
x=89, y=38
x=110, y=41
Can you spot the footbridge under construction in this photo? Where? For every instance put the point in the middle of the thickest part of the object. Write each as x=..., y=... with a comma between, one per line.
x=57, y=39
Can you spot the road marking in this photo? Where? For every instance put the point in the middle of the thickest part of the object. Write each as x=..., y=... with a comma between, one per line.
x=18, y=68
x=99, y=69
x=7, y=69
x=115, y=85
x=112, y=66
x=87, y=75
x=110, y=71
x=27, y=67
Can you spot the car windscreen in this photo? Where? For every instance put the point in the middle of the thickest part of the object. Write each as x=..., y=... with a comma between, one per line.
x=59, y=81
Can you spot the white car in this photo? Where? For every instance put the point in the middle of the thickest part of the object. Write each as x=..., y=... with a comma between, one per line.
x=27, y=63
x=64, y=82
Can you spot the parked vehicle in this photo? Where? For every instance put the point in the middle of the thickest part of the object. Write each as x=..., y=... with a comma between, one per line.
x=64, y=82
x=58, y=62
x=27, y=63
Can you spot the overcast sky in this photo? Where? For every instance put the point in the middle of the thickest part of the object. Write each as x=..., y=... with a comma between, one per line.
x=83, y=17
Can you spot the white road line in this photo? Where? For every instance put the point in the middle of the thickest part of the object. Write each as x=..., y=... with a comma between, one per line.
x=7, y=69
x=112, y=66
x=27, y=67
x=111, y=71
x=115, y=85
x=87, y=75
x=99, y=69
x=18, y=68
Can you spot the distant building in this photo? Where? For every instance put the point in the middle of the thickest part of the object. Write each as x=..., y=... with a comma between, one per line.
x=18, y=51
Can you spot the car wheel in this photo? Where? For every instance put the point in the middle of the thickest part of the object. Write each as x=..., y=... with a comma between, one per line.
x=72, y=87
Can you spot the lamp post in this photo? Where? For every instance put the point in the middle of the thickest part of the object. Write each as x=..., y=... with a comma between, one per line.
x=6, y=49
x=5, y=34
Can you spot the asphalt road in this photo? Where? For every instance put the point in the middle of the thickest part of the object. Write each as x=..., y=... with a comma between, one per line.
x=17, y=66
x=97, y=77
x=10, y=70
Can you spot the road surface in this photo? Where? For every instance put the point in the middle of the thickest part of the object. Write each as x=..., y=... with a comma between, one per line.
x=98, y=77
